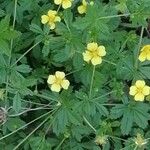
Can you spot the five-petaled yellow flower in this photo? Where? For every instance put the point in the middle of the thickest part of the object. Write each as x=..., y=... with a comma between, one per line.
x=94, y=53
x=58, y=81
x=65, y=3
x=145, y=53
x=51, y=18
x=139, y=90
x=82, y=8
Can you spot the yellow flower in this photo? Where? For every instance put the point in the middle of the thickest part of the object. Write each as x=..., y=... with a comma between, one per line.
x=82, y=8
x=51, y=18
x=58, y=81
x=65, y=3
x=94, y=53
x=139, y=90
x=140, y=141
x=145, y=53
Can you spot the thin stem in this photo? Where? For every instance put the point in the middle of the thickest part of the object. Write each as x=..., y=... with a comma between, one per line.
x=124, y=44
x=135, y=147
x=35, y=129
x=114, y=16
x=11, y=46
x=25, y=125
x=139, y=46
x=92, y=79
x=45, y=97
x=25, y=54
x=73, y=72
x=28, y=110
x=16, y=147
x=35, y=103
x=109, y=62
x=67, y=26
x=105, y=95
x=62, y=141
x=58, y=8
x=117, y=138
x=89, y=124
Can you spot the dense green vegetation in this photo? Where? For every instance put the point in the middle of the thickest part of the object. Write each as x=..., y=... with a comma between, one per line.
x=74, y=75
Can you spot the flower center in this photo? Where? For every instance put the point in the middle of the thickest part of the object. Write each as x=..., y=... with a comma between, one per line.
x=51, y=18
x=139, y=90
x=58, y=81
x=94, y=54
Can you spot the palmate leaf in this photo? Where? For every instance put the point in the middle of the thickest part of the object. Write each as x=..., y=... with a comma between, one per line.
x=39, y=143
x=145, y=72
x=132, y=113
x=6, y=34
x=17, y=102
x=63, y=118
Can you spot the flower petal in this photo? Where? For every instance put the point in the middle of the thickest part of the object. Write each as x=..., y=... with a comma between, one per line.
x=55, y=87
x=65, y=84
x=87, y=56
x=60, y=75
x=51, y=79
x=66, y=4
x=148, y=55
x=146, y=47
x=139, y=97
x=142, y=56
x=133, y=90
x=146, y=90
x=57, y=19
x=82, y=9
x=52, y=12
x=44, y=19
x=52, y=26
x=96, y=60
x=92, y=46
x=84, y=2
x=101, y=51
x=57, y=2
x=140, y=84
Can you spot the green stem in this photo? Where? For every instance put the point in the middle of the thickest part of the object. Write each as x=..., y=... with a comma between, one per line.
x=25, y=54
x=114, y=16
x=25, y=126
x=45, y=97
x=11, y=47
x=107, y=61
x=73, y=72
x=139, y=47
x=92, y=79
x=89, y=124
x=58, y=8
x=35, y=129
x=57, y=148
x=105, y=95
x=116, y=138
x=28, y=110
x=16, y=147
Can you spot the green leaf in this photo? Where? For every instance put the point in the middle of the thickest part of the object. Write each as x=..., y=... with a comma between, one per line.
x=14, y=123
x=35, y=28
x=17, y=102
x=4, y=24
x=127, y=122
x=4, y=47
x=145, y=70
x=23, y=68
